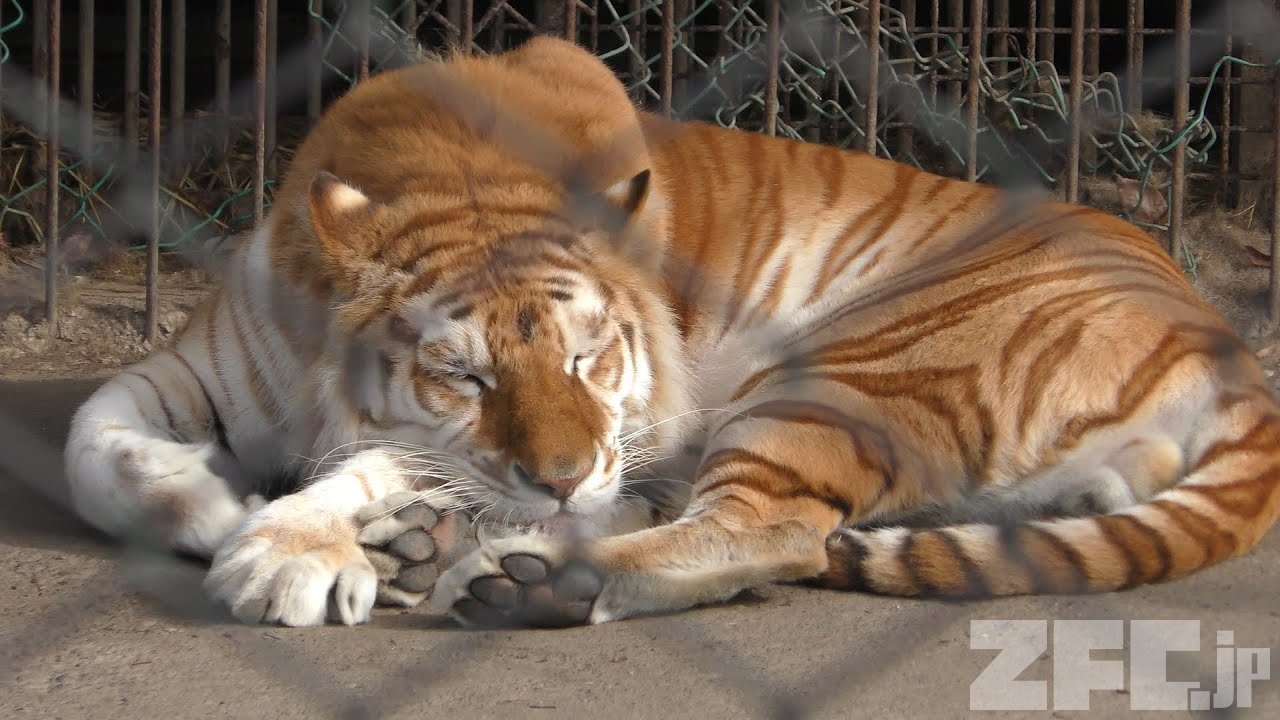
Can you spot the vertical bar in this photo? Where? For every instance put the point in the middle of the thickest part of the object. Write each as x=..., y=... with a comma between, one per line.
x=53, y=69
x=1274, y=288
x=571, y=20
x=364, y=28
x=906, y=135
x=1049, y=21
x=259, y=107
x=1032, y=33
x=1073, y=101
x=873, y=74
x=957, y=22
x=177, y=70
x=934, y=12
x=86, y=77
x=976, y=33
x=1224, y=167
x=1133, y=81
x=409, y=15
x=1, y=76
x=132, y=79
x=222, y=57
x=1001, y=20
x=315, y=79
x=668, y=53
x=467, y=28
x=1181, y=102
x=153, y=135
x=272, y=93
x=773, y=45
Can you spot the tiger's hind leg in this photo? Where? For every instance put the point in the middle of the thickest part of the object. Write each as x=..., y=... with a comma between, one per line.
x=143, y=460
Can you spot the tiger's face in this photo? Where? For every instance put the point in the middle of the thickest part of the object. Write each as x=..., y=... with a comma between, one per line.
x=515, y=355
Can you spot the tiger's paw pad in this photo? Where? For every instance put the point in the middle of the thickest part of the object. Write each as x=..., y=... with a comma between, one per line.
x=520, y=582
x=409, y=543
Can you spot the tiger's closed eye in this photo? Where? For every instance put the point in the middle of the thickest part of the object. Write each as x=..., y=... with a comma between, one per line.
x=402, y=331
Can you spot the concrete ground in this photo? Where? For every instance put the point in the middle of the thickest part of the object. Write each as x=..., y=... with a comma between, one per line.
x=88, y=632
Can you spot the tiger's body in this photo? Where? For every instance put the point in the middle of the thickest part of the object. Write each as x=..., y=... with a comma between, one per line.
x=852, y=372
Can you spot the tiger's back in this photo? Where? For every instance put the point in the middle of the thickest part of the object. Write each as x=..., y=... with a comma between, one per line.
x=1012, y=364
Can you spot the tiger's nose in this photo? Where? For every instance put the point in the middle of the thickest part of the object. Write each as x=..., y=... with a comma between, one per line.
x=557, y=478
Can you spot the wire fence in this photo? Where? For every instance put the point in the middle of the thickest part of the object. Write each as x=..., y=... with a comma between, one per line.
x=931, y=95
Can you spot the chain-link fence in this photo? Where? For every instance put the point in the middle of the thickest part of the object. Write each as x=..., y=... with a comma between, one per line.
x=974, y=89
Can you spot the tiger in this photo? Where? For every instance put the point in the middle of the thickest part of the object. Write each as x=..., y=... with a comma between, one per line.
x=649, y=364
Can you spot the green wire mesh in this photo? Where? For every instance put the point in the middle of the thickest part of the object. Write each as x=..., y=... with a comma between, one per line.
x=720, y=68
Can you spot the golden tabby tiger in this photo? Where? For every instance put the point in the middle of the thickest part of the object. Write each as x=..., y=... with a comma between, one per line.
x=773, y=361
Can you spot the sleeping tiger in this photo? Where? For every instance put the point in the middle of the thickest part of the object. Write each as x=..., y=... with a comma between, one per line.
x=661, y=363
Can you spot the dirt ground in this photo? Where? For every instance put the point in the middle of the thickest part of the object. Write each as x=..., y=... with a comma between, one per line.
x=90, y=630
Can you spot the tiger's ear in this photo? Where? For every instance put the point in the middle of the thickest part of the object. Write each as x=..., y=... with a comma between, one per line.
x=342, y=218
x=613, y=208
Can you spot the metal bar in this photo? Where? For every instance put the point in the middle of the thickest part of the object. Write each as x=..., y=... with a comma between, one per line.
x=222, y=52
x=1181, y=102
x=1001, y=47
x=773, y=45
x=1072, y=193
x=177, y=70
x=957, y=21
x=467, y=28
x=1092, y=61
x=668, y=53
x=571, y=20
x=132, y=79
x=1, y=76
x=1274, y=288
x=259, y=107
x=53, y=69
x=1032, y=35
x=1048, y=19
x=273, y=91
x=906, y=135
x=873, y=74
x=976, y=33
x=85, y=92
x=409, y=15
x=1133, y=81
x=1224, y=166
x=315, y=74
x=151, y=316
x=934, y=11
x=363, y=28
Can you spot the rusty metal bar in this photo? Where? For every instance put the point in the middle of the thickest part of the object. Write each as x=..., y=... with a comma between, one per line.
x=177, y=70
x=1224, y=167
x=906, y=134
x=1, y=76
x=53, y=69
x=223, y=57
x=957, y=21
x=935, y=10
x=315, y=74
x=409, y=15
x=467, y=27
x=773, y=48
x=1072, y=190
x=85, y=92
x=151, y=316
x=1032, y=34
x=363, y=30
x=668, y=53
x=1092, y=38
x=132, y=79
x=1273, y=294
x=976, y=34
x=1133, y=81
x=1000, y=19
x=873, y=74
x=1181, y=102
x=273, y=91
x=259, y=107
x=571, y=20
x=1049, y=21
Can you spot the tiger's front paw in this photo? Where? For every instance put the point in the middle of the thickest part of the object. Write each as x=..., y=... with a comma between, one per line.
x=409, y=544
x=520, y=581
x=294, y=565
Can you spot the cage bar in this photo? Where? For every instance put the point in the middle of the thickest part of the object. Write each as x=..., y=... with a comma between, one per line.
x=1133, y=78
x=1181, y=103
x=873, y=73
x=222, y=57
x=132, y=80
x=259, y=107
x=85, y=91
x=53, y=69
x=976, y=33
x=363, y=27
x=1048, y=24
x=177, y=70
x=668, y=53
x=773, y=47
x=273, y=89
x=150, y=318
x=1072, y=189
x=571, y=20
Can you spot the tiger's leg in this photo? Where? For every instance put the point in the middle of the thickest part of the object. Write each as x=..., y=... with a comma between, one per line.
x=302, y=557
x=143, y=458
x=760, y=514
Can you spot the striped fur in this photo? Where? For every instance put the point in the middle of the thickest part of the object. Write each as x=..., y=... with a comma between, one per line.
x=888, y=380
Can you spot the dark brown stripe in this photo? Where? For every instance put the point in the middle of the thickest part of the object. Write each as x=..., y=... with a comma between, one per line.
x=164, y=404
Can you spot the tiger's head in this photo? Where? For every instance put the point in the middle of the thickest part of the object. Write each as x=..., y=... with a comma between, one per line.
x=514, y=332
